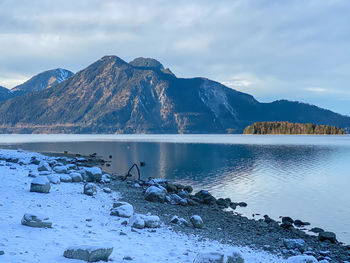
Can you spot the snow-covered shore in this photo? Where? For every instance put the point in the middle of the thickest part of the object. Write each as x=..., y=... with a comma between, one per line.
x=80, y=219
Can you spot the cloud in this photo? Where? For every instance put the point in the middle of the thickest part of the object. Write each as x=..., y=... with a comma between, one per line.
x=259, y=46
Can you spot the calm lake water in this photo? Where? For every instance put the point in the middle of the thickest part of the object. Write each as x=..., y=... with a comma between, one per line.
x=305, y=177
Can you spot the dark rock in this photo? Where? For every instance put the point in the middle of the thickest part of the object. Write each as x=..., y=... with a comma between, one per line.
x=316, y=230
x=171, y=188
x=36, y=221
x=242, y=204
x=155, y=194
x=188, y=189
x=287, y=219
x=330, y=236
x=90, y=189
x=268, y=219
x=205, y=197
x=40, y=184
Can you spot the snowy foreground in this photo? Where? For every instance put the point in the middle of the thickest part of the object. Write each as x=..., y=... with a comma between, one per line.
x=68, y=208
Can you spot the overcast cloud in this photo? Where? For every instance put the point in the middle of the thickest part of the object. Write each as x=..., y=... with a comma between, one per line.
x=298, y=50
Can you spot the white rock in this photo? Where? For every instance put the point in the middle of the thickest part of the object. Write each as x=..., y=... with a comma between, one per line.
x=54, y=179
x=89, y=253
x=302, y=259
x=123, y=210
x=76, y=177
x=151, y=221
x=36, y=221
x=107, y=190
x=60, y=169
x=295, y=244
x=155, y=194
x=137, y=221
x=65, y=178
x=90, y=189
x=44, y=166
x=40, y=184
x=235, y=256
x=93, y=174
x=211, y=257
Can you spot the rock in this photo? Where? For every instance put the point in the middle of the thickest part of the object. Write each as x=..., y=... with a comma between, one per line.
x=33, y=174
x=71, y=166
x=90, y=189
x=122, y=209
x=287, y=219
x=34, y=160
x=88, y=253
x=76, y=177
x=171, y=188
x=105, y=179
x=330, y=236
x=175, y=199
x=196, y=221
x=295, y=244
x=183, y=222
x=151, y=221
x=300, y=223
x=60, y=169
x=205, y=197
x=242, y=204
x=268, y=219
x=40, y=184
x=155, y=194
x=93, y=174
x=212, y=257
x=235, y=257
x=65, y=178
x=223, y=202
x=137, y=221
x=44, y=166
x=183, y=194
x=188, y=189
x=191, y=202
x=127, y=258
x=174, y=220
x=183, y=202
x=2, y=253
x=36, y=221
x=302, y=259
x=54, y=179
x=316, y=230
x=107, y=190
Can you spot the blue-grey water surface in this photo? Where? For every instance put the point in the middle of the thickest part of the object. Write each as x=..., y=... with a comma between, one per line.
x=305, y=177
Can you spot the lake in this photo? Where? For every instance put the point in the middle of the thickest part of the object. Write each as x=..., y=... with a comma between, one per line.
x=305, y=177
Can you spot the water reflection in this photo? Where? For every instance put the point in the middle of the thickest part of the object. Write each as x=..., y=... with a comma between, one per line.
x=305, y=182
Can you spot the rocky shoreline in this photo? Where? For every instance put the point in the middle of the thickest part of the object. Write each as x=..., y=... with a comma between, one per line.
x=224, y=225
x=154, y=205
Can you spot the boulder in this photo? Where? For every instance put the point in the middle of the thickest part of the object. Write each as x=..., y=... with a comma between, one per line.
x=122, y=209
x=44, y=166
x=36, y=221
x=137, y=221
x=65, y=178
x=316, y=230
x=235, y=256
x=295, y=244
x=33, y=174
x=155, y=194
x=71, y=166
x=54, y=179
x=196, y=221
x=76, y=177
x=106, y=178
x=330, y=236
x=183, y=202
x=175, y=199
x=151, y=221
x=183, y=194
x=302, y=259
x=40, y=184
x=171, y=188
x=212, y=257
x=90, y=189
x=93, y=174
x=205, y=197
x=188, y=189
x=88, y=253
x=34, y=160
x=107, y=190
x=60, y=169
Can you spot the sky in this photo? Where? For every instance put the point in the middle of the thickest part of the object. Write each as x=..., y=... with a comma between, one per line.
x=296, y=50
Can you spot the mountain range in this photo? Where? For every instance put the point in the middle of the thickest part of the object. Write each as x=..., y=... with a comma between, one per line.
x=142, y=96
